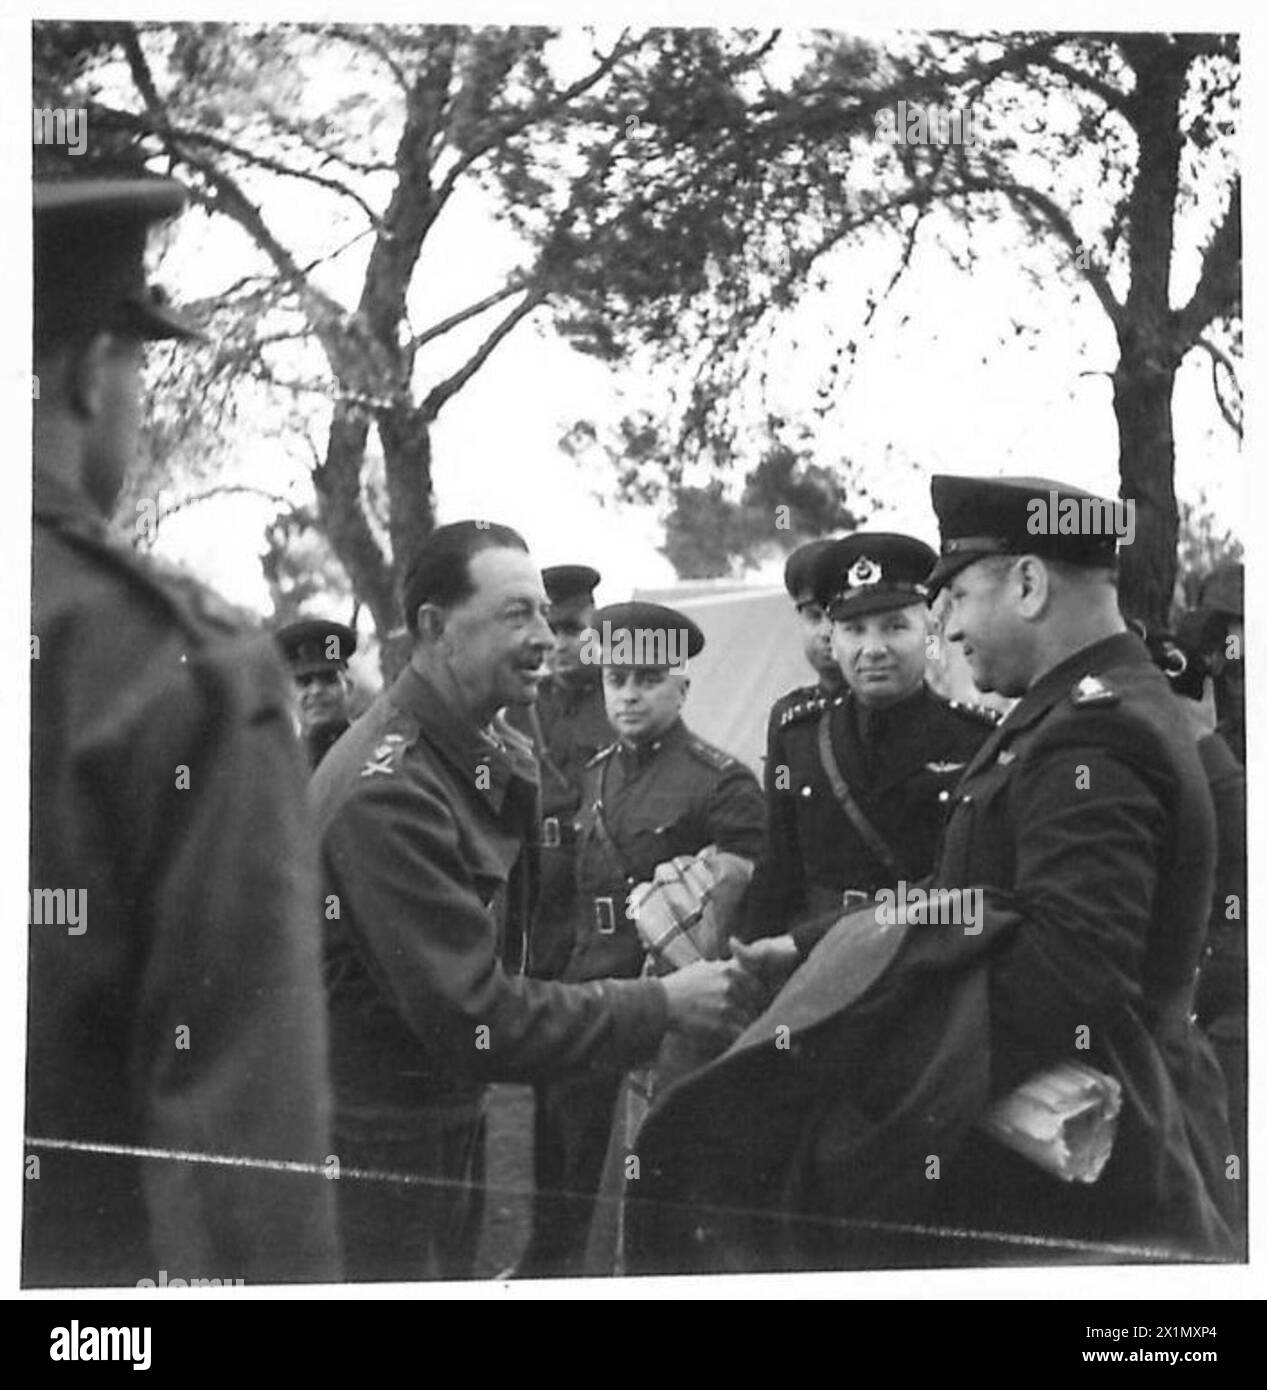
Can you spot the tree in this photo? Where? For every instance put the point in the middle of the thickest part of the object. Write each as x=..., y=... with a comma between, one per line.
x=421, y=116
x=1106, y=150
x=785, y=500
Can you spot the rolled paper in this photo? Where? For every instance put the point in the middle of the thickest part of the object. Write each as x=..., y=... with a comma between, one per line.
x=1063, y=1119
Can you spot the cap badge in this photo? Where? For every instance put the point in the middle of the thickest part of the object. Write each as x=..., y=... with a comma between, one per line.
x=864, y=572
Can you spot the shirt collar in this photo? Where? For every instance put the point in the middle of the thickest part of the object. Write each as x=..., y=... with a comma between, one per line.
x=491, y=758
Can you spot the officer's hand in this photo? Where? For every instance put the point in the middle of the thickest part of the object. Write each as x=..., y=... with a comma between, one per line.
x=712, y=999
x=772, y=959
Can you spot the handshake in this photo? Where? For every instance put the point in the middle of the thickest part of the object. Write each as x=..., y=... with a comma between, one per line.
x=682, y=916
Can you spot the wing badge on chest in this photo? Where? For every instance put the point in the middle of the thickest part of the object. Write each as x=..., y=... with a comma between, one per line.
x=943, y=768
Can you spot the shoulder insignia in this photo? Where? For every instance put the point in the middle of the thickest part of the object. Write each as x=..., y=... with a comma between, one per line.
x=386, y=756
x=983, y=714
x=1006, y=757
x=602, y=754
x=943, y=768
x=706, y=753
x=804, y=703
x=1091, y=690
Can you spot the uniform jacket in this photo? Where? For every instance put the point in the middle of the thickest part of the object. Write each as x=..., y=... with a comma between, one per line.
x=900, y=764
x=167, y=785
x=1086, y=821
x=568, y=726
x=428, y=832
x=670, y=797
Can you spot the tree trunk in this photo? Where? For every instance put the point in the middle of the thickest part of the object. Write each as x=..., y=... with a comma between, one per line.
x=1142, y=393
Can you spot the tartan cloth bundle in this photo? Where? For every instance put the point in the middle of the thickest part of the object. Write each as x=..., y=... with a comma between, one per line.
x=683, y=914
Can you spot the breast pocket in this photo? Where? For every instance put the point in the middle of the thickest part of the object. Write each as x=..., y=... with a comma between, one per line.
x=977, y=844
x=667, y=832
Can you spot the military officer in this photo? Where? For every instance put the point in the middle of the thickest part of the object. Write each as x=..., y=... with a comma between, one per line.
x=177, y=1009
x=568, y=725
x=317, y=652
x=858, y=779
x=1075, y=871
x=657, y=792
x=428, y=821
x=1222, y=597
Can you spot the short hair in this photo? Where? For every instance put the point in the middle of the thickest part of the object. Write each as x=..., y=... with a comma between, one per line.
x=439, y=571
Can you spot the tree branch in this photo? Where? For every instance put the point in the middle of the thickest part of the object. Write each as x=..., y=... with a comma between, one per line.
x=1218, y=291
x=471, y=311
x=436, y=398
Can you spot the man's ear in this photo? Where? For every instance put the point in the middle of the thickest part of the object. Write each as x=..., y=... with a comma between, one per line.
x=1034, y=579
x=432, y=621
x=86, y=376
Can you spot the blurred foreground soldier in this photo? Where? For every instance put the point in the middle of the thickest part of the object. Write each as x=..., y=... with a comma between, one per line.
x=175, y=996
x=658, y=792
x=429, y=821
x=1073, y=888
x=317, y=652
x=858, y=779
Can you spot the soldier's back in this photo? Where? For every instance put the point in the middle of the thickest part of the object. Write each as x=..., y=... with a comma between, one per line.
x=181, y=1011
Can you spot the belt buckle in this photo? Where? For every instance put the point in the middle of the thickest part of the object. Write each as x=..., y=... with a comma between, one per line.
x=853, y=899
x=605, y=916
x=550, y=836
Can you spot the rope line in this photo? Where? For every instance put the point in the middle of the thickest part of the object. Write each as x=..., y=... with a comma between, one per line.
x=1143, y=1253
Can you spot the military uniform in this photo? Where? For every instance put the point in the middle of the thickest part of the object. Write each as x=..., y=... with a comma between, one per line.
x=428, y=847
x=319, y=647
x=856, y=791
x=569, y=726
x=167, y=785
x=1085, y=824
x=901, y=764
x=642, y=804
x=178, y=1007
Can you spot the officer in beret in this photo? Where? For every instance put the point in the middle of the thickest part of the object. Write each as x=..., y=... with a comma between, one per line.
x=658, y=791
x=1073, y=884
x=317, y=652
x=858, y=779
x=174, y=995
x=427, y=815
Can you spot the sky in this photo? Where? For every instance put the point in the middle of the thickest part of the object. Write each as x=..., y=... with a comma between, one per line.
x=944, y=384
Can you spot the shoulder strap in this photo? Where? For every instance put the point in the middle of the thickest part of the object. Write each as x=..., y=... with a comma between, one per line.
x=871, y=837
x=604, y=834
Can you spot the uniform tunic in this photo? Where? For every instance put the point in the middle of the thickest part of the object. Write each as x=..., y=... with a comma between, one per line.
x=900, y=763
x=570, y=718
x=643, y=805
x=187, y=1015
x=1086, y=822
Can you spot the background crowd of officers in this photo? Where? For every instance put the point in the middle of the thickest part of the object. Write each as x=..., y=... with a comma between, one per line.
x=333, y=979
